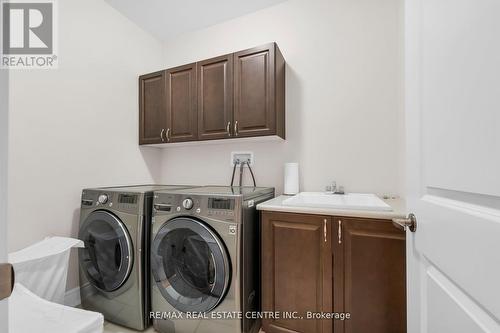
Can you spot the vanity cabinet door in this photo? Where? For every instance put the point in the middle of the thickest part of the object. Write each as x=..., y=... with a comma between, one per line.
x=369, y=268
x=182, y=120
x=152, y=108
x=215, y=98
x=296, y=270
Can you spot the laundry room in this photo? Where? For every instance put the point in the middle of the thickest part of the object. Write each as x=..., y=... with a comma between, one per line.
x=249, y=166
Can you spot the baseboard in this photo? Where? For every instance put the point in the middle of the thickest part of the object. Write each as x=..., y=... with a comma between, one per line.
x=72, y=297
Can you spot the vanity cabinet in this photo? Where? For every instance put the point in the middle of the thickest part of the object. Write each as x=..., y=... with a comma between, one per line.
x=369, y=275
x=296, y=270
x=313, y=263
x=236, y=95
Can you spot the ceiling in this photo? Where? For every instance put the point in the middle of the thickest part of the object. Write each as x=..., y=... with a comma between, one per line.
x=166, y=19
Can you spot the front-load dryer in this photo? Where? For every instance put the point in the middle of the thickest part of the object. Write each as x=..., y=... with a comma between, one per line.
x=114, y=264
x=205, y=259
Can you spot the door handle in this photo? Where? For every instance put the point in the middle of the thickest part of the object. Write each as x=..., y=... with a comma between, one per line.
x=168, y=134
x=324, y=229
x=339, y=232
x=161, y=135
x=228, y=128
x=162, y=207
x=236, y=128
x=6, y=280
x=403, y=223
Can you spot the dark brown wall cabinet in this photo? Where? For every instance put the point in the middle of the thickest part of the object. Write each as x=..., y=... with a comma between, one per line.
x=234, y=95
x=152, y=108
x=259, y=92
x=215, y=98
x=182, y=121
x=314, y=263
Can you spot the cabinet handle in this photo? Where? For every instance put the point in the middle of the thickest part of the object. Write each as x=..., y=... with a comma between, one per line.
x=236, y=128
x=340, y=232
x=168, y=134
x=161, y=135
x=228, y=128
x=324, y=229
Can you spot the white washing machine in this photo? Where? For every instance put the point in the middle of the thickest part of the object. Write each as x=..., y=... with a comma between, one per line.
x=205, y=259
x=114, y=264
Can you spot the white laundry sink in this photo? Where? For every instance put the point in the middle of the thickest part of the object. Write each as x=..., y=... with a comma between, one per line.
x=349, y=201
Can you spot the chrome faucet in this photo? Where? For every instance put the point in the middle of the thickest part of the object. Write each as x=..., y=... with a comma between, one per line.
x=333, y=189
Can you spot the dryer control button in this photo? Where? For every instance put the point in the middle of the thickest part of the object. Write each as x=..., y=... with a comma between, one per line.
x=232, y=229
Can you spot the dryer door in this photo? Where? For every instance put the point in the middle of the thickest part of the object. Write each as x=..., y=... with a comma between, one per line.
x=190, y=265
x=107, y=257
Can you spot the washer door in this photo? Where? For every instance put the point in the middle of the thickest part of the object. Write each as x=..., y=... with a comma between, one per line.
x=190, y=265
x=107, y=257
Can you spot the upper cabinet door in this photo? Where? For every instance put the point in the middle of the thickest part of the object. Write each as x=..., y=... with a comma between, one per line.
x=259, y=92
x=182, y=122
x=215, y=98
x=152, y=108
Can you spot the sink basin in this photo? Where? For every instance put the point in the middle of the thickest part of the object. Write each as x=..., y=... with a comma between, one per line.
x=350, y=201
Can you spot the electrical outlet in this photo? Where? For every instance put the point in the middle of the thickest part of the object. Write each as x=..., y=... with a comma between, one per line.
x=242, y=156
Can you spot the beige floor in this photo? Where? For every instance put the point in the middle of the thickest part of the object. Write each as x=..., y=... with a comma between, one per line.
x=112, y=328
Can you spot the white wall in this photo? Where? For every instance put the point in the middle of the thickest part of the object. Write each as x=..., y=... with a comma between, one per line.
x=76, y=126
x=344, y=95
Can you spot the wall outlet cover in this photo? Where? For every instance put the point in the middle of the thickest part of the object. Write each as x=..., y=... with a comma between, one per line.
x=242, y=156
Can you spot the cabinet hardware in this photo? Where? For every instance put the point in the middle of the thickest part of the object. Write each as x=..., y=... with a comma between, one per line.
x=402, y=223
x=324, y=229
x=228, y=128
x=340, y=232
x=236, y=128
x=168, y=134
x=161, y=135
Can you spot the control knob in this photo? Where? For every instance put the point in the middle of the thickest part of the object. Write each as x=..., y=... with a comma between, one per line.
x=103, y=198
x=187, y=203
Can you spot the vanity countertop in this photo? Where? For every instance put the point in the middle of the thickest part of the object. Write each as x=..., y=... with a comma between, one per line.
x=398, y=209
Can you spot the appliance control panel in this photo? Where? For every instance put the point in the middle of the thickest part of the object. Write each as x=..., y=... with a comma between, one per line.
x=120, y=201
x=222, y=208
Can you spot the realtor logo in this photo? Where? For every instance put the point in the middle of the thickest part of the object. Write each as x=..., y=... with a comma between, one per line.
x=28, y=34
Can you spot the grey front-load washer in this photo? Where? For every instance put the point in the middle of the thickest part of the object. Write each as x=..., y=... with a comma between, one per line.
x=205, y=259
x=114, y=264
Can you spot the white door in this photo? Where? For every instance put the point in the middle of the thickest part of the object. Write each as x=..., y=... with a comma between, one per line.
x=453, y=140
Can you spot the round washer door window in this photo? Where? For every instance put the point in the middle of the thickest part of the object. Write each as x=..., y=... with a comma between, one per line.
x=190, y=265
x=107, y=257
